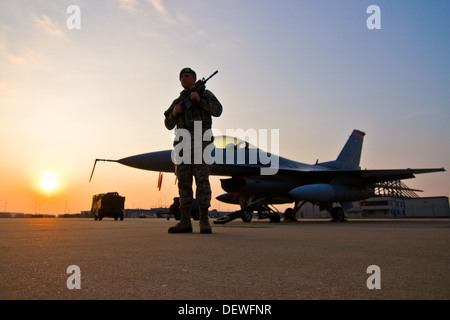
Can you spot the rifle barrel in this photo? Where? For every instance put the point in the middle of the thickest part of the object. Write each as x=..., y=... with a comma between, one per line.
x=215, y=72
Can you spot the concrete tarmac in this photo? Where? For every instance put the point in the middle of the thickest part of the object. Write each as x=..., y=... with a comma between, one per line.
x=138, y=259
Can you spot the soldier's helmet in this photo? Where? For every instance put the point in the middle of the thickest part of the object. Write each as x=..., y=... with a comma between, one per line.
x=188, y=70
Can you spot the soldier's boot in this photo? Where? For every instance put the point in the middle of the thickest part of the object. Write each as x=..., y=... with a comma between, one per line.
x=184, y=226
x=205, y=227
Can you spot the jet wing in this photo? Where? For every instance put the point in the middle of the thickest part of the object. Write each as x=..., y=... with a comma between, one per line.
x=374, y=176
x=366, y=177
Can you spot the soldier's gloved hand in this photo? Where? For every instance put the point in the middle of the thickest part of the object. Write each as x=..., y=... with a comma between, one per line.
x=177, y=109
x=194, y=96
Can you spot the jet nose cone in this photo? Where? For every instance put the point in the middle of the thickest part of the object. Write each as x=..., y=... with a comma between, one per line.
x=154, y=161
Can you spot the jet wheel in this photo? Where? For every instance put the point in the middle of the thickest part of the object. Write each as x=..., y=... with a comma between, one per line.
x=247, y=216
x=275, y=218
x=338, y=214
x=289, y=214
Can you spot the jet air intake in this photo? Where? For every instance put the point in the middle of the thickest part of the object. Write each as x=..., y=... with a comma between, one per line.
x=324, y=192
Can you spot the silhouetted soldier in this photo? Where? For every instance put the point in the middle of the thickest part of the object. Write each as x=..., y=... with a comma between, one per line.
x=202, y=105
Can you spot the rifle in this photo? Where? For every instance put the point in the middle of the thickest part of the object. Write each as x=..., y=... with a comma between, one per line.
x=199, y=87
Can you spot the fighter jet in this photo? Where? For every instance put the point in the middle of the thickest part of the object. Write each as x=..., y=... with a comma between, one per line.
x=332, y=185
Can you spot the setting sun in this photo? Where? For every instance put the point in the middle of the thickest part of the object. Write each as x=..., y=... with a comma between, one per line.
x=49, y=181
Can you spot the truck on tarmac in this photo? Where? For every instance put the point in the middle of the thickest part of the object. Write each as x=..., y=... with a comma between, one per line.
x=109, y=204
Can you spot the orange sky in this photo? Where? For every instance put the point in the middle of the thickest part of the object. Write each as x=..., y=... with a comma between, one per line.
x=311, y=69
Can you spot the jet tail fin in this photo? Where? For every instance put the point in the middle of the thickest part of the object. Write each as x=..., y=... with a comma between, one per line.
x=350, y=155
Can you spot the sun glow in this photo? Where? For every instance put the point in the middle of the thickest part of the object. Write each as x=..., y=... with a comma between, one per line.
x=49, y=181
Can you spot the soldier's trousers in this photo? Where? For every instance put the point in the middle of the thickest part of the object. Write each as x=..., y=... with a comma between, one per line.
x=185, y=172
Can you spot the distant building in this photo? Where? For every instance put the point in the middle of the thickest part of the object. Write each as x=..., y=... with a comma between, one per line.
x=380, y=207
x=82, y=214
x=427, y=207
x=139, y=213
x=387, y=207
x=5, y=215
